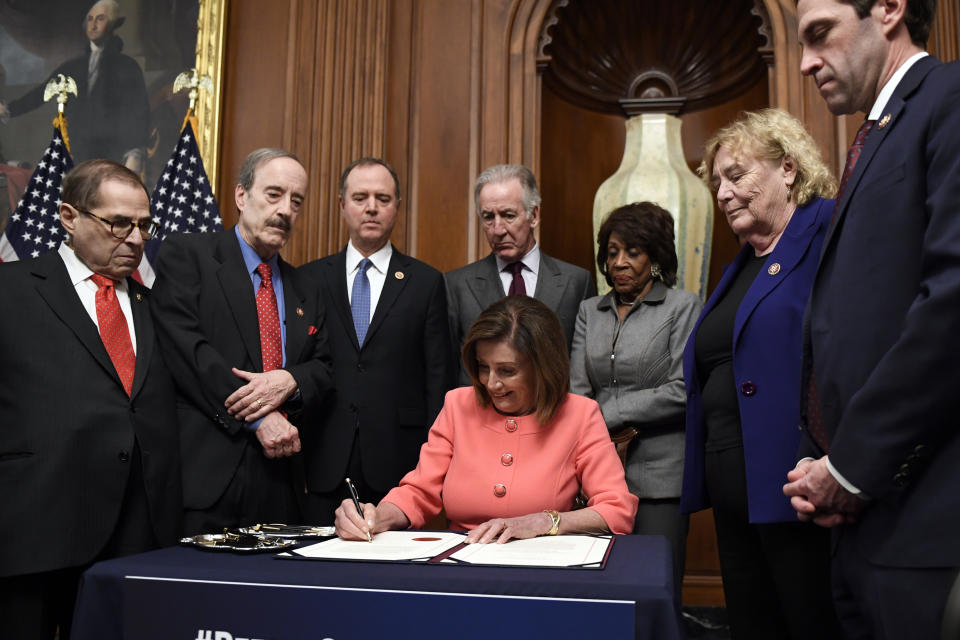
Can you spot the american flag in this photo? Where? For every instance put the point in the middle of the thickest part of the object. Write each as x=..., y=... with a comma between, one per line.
x=182, y=200
x=34, y=227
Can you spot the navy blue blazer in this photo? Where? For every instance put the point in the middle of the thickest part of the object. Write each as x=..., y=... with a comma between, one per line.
x=767, y=340
x=883, y=327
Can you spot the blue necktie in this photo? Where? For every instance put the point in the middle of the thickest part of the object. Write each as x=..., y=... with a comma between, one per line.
x=360, y=301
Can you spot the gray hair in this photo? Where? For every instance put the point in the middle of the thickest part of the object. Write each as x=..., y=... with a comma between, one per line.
x=503, y=172
x=248, y=172
x=113, y=10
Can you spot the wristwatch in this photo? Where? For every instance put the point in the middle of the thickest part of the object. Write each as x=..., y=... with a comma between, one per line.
x=555, y=518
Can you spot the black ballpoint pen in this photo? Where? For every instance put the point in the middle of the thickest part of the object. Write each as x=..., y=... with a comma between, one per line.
x=356, y=503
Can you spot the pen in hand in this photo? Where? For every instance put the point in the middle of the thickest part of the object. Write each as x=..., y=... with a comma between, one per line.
x=356, y=503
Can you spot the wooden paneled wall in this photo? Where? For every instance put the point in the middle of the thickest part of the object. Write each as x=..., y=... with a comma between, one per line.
x=429, y=91
x=442, y=89
x=309, y=77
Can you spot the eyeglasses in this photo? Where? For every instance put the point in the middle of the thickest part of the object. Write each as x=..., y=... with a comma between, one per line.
x=120, y=229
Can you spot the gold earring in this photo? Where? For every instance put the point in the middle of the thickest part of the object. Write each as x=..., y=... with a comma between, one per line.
x=655, y=270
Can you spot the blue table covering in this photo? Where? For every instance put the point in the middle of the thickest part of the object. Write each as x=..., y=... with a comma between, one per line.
x=195, y=594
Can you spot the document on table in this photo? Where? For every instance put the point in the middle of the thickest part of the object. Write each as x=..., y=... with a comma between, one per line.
x=444, y=547
x=546, y=551
x=386, y=546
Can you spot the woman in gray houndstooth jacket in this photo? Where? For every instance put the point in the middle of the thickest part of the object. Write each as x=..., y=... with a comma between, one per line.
x=627, y=354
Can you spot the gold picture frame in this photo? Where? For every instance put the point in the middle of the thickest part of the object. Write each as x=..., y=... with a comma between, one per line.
x=211, y=27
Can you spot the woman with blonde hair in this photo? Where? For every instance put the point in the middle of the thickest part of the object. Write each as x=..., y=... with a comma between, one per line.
x=742, y=371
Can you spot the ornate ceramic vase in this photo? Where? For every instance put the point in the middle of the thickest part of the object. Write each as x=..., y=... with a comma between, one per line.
x=653, y=169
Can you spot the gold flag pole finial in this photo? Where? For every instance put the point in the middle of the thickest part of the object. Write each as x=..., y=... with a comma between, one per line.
x=60, y=87
x=194, y=82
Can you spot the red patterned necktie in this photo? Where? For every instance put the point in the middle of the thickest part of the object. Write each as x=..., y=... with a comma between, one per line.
x=814, y=418
x=114, y=331
x=854, y=154
x=271, y=348
x=517, y=287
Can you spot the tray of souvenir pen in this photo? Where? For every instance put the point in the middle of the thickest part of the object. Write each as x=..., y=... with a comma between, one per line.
x=290, y=532
x=238, y=542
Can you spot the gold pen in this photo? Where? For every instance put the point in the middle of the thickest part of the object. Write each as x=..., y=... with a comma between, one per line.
x=356, y=503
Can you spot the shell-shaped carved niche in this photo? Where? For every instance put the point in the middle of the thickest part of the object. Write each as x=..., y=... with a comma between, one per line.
x=634, y=56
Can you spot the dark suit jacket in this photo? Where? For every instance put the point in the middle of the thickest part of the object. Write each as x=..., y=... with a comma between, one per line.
x=206, y=316
x=767, y=337
x=67, y=427
x=393, y=387
x=883, y=325
x=473, y=288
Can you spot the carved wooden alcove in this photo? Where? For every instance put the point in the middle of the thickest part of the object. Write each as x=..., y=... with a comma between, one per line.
x=529, y=110
x=626, y=58
x=603, y=60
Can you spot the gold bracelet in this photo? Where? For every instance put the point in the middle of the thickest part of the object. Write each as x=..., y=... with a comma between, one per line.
x=555, y=519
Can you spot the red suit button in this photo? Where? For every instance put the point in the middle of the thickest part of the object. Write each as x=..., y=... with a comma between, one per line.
x=510, y=426
x=506, y=459
x=499, y=490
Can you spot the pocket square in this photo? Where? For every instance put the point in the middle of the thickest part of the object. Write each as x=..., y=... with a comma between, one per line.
x=311, y=330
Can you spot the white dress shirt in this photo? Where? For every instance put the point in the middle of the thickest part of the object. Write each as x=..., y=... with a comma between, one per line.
x=884, y=96
x=87, y=290
x=531, y=270
x=93, y=66
x=377, y=273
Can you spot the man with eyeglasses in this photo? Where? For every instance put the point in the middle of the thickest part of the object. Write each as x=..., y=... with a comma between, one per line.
x=245, y=337
x=121, y=227
x=89, y=458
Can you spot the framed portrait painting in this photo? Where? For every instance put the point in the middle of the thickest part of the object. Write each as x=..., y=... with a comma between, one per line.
x=123, y=56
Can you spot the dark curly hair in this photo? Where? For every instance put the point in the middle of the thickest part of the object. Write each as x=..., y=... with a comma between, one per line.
x=645, y=226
